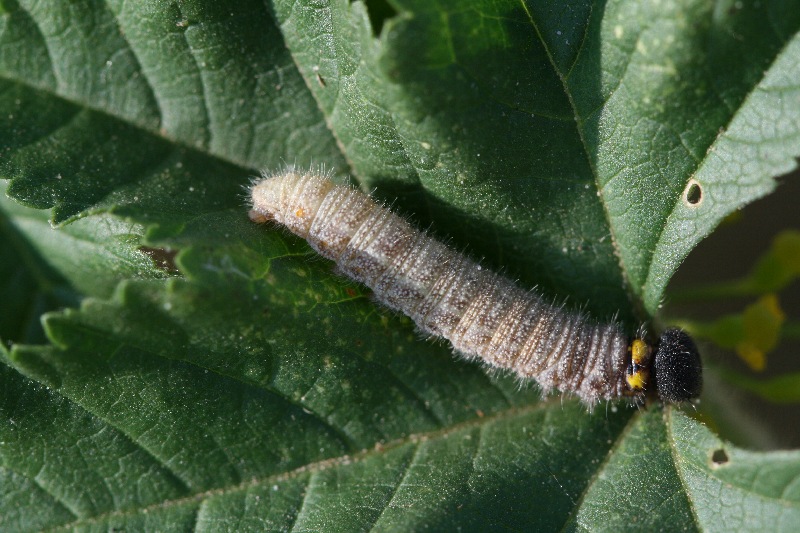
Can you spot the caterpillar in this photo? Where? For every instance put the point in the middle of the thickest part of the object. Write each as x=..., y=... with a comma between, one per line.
x=484, y=315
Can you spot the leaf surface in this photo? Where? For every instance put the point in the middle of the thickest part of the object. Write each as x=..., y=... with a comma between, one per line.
x=213, y=374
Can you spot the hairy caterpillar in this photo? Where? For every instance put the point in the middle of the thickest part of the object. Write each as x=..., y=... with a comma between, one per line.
x=483, y=314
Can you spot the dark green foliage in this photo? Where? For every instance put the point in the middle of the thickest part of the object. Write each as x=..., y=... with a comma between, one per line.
x=237, y=384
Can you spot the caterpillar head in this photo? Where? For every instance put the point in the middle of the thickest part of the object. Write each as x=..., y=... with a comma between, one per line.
x=676, y=368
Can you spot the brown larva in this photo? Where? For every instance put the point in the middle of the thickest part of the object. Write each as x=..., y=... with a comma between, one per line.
x=483, y=314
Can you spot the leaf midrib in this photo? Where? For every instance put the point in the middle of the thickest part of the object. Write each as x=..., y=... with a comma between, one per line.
x=632, y=298
x=323, y=465
x=177, y=143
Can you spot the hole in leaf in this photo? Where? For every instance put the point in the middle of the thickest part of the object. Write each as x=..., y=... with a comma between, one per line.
x=719, y=458
x=162, y=258
x=320, y=79
x=379, y=12
x=693, y=195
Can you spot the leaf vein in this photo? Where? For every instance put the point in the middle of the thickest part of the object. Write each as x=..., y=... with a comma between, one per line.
x=318, y=466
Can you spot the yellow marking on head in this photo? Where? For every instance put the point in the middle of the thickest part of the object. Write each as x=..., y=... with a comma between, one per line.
x=638, y=374
x=640, y=352
x=636, y=381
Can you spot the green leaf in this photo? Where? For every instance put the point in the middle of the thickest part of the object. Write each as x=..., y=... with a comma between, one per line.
x=562, y=135
x=704, y=483
x=781, y=389
x=93, y=254
x=214, y=374
x=139, y=106
x=759, y=489
x=29, y=286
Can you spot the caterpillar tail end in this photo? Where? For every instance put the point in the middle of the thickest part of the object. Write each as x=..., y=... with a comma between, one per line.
x=266, y=195
x=290, y=199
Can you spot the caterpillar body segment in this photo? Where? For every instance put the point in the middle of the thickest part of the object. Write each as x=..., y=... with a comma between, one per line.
x=483, y=314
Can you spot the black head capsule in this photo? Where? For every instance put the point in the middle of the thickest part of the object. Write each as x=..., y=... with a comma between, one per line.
x=672, y=365
x=677, y=369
